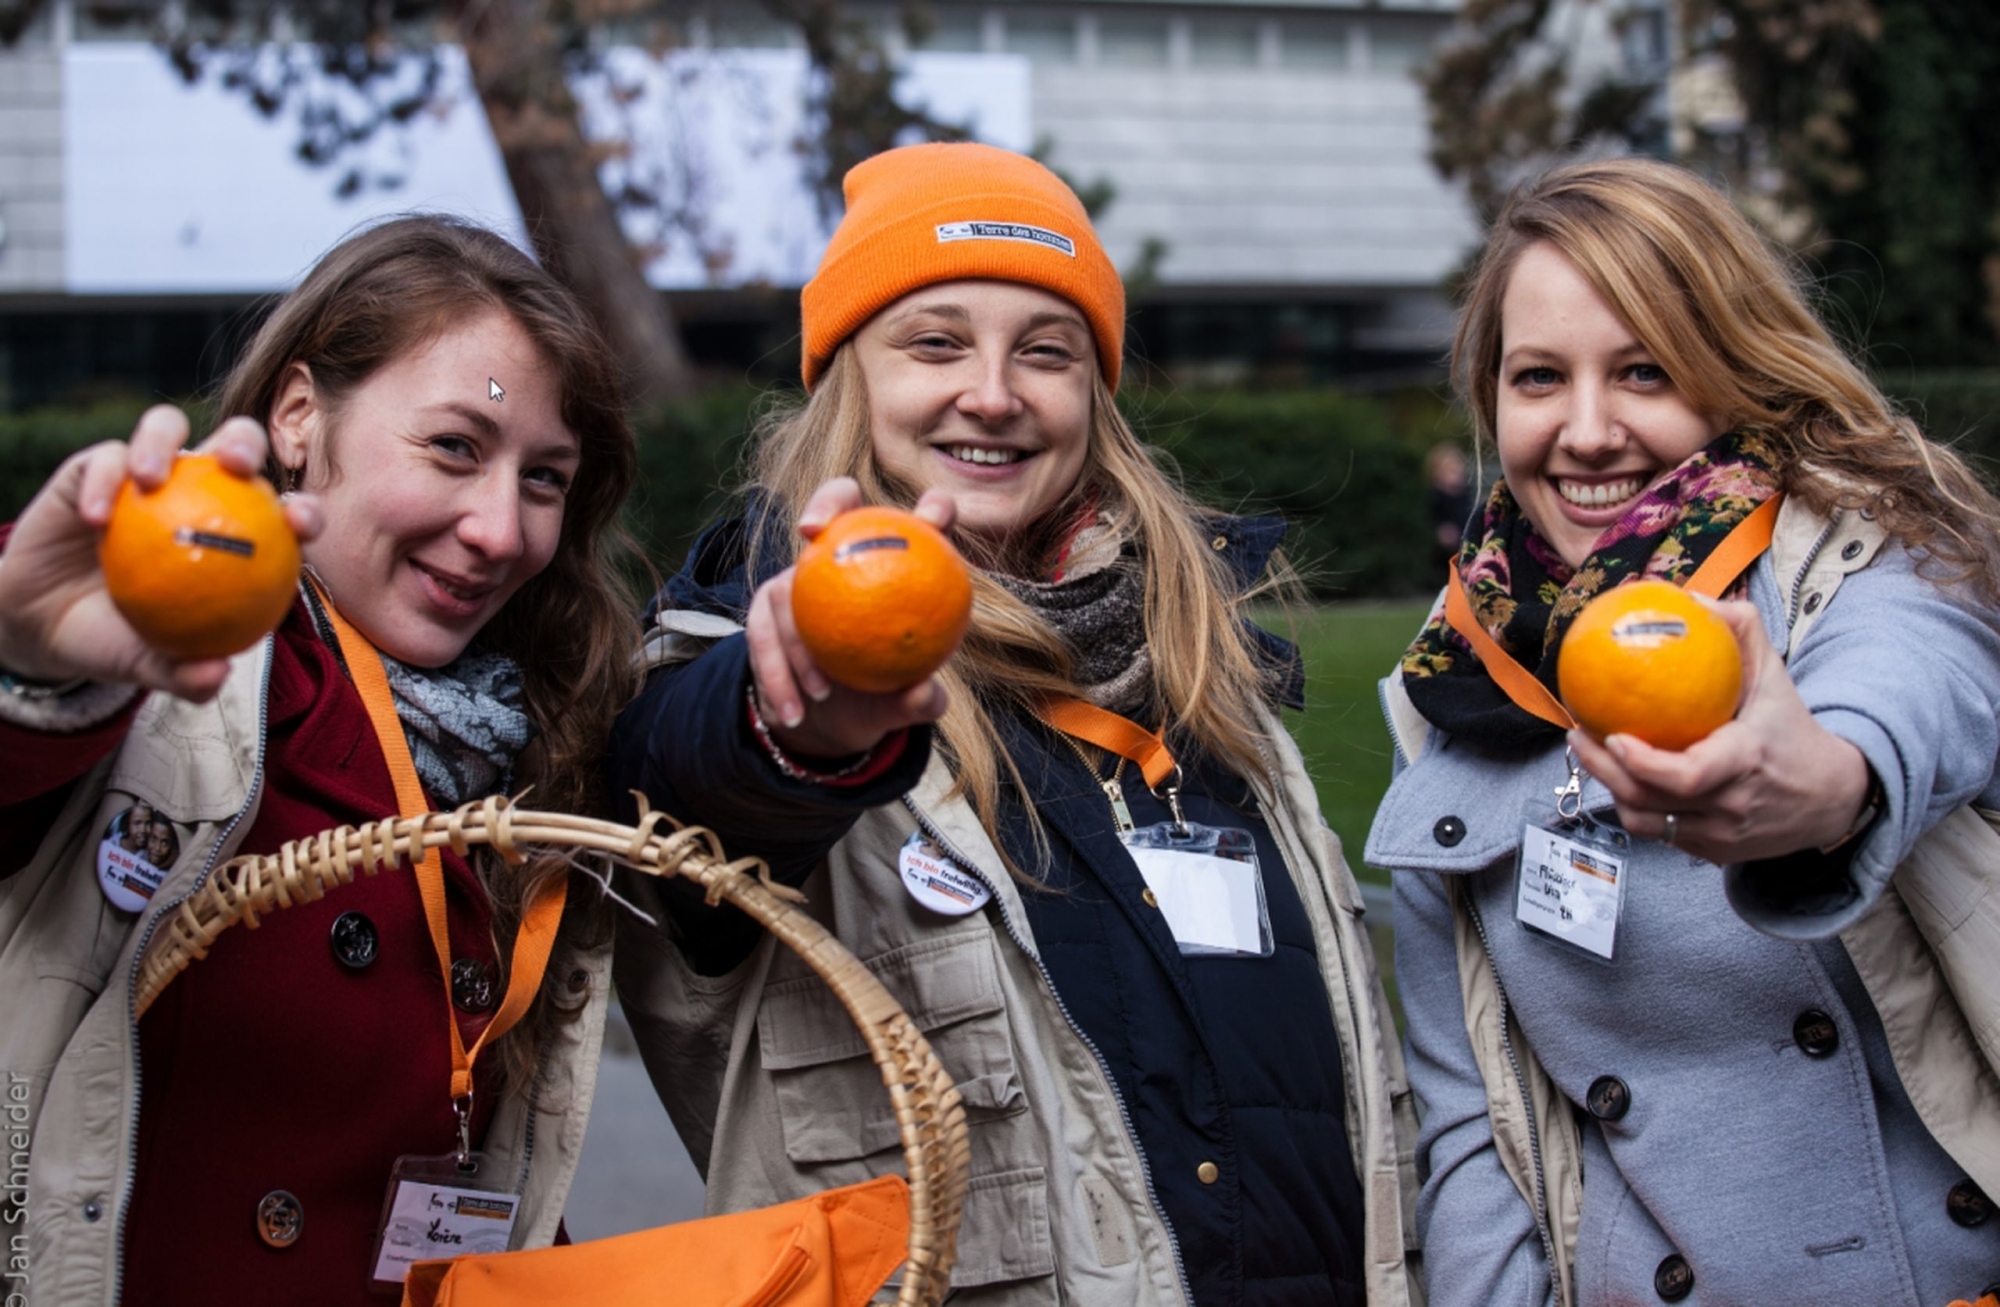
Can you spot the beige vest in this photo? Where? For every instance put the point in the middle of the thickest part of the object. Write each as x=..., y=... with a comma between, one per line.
x=68, y=1038
x=771, y=1087
x=1928, y=953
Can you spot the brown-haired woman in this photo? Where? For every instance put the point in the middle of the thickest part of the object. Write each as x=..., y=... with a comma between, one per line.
x=243, y=1142
x=1677, y=1034
x=1086, y=855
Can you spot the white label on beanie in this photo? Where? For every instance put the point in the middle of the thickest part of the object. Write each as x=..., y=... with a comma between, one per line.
x=1005, y=231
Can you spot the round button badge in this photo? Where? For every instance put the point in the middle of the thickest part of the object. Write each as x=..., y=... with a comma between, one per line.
x=136, y=852
x=937, y=882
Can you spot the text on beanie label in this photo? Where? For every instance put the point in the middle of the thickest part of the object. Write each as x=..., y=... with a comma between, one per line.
x=1005, y=231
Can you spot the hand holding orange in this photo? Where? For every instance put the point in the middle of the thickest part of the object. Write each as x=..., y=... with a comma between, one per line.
x=880, y=599
x=1647, y=659
x=204, y=565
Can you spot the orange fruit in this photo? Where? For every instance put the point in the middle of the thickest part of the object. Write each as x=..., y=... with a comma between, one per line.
x=881, y=599
x=203, y=566
x=1647, y=659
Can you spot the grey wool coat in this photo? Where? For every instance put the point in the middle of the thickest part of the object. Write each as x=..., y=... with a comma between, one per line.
x=1774, y=1161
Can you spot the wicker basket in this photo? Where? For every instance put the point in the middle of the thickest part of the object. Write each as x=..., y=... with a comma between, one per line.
x=928, y=1111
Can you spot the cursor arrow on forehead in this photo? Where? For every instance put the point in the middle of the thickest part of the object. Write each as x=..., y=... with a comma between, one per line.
x=493, y=391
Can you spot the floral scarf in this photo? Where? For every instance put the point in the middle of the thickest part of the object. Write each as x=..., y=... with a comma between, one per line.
x=1526, y=596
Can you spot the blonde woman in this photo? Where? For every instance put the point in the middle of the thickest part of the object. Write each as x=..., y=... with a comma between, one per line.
x=1169, y=1103
x=1694, y=1075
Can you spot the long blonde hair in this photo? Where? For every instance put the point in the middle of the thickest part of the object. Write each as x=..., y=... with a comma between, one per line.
x=1729, y=320
x=1207, y=677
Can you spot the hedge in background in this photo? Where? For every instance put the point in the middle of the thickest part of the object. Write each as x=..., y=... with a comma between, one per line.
x=1960, y=409
x=32, y=444
x=1335, y=465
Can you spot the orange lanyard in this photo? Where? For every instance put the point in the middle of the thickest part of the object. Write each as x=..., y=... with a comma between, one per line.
x=1107, y=730
x=1130, y=741
x=537, y=936
x=1739, y=549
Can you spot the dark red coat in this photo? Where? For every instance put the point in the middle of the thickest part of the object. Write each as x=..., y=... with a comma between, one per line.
x=270, y=1064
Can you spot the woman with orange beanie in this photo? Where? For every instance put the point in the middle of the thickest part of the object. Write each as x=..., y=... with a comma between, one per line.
x=1085, y=855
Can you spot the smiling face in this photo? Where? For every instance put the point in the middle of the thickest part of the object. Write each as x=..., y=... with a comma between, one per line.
x=981, y=389
x=440, y=502
x=1586, y=420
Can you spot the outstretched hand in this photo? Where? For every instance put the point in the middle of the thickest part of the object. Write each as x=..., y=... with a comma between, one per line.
x=807, y=713
x=1771, y=782
x=57, y=622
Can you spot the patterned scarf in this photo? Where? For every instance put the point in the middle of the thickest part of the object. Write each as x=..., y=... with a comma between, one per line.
x=1526, y=596
x=464, y=721
x=1097, y=603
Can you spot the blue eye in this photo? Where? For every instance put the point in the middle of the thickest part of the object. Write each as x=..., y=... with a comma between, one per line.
x=1536, y=377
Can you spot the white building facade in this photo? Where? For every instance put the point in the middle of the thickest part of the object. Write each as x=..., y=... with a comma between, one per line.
x=1271, y=195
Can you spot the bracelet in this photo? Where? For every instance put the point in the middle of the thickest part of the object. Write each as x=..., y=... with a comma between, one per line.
x=1871, y=808
x=22, y=687
x=784, y=760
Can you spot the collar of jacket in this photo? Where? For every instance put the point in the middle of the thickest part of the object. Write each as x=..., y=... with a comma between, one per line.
x=714, y=579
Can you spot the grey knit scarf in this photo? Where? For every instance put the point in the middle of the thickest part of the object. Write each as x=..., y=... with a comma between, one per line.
x=1098, y=606
x=464, y=721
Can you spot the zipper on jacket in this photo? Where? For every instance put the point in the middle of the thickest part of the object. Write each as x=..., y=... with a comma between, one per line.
x=527, y=1149
x=1527, y=1103
x=1799, y=581
x=139, y=954
x=1114, y=792
x=1402, y=759
x=931, y=831
x=1352, y=1092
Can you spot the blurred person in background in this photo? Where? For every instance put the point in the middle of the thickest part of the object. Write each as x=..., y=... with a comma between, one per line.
x=1448, y=491
x=1738, y=1082
x=1166, y=1105
x=463, y=546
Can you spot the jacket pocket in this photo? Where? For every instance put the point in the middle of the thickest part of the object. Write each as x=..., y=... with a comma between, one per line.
x=830, y=1095
x=833, y=1108
x=1004, y=1234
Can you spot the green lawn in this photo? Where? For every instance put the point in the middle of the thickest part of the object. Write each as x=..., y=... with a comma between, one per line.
x=1348, y=648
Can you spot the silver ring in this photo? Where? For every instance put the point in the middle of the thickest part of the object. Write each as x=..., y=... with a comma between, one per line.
x=1673, y=828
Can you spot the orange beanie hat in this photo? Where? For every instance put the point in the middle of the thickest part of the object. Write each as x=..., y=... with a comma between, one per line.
x=924, y=214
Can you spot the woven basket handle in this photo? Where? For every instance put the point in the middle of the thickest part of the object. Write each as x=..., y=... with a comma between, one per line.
x=928, y=1112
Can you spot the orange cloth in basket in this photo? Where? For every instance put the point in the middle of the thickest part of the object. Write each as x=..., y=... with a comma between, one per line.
x=833, y=1249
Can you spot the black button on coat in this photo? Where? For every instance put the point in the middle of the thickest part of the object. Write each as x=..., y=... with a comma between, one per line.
x=354, y=940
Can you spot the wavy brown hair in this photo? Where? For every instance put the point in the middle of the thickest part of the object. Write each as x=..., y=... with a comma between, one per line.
x=1730, y=320
x=396, y=288
x=1208, y=680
